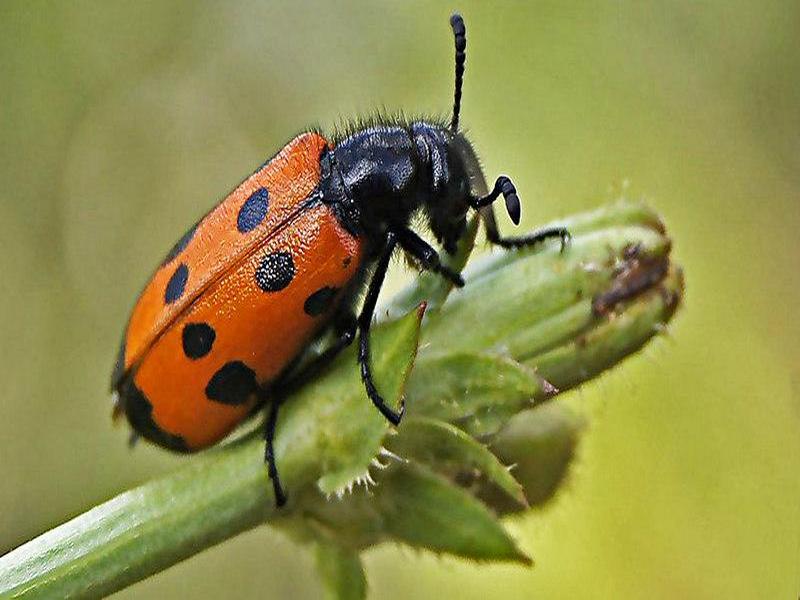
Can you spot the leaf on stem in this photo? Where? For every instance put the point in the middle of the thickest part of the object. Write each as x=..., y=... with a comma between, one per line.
x=447, y=450
x=411, y=499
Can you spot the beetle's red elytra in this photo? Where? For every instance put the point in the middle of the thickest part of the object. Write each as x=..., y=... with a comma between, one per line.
x=217, y=331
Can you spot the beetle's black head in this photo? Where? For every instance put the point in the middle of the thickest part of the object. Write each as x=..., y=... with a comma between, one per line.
x=382, y=172
x=452, y=179
x=379, y=176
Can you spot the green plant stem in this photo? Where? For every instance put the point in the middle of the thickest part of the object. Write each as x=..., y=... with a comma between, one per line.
x=547, y=319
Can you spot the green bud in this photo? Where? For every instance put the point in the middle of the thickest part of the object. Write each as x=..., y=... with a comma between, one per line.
x=481, y=438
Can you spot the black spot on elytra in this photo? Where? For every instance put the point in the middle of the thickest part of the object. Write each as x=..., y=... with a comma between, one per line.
x=346, y=262
x=253, y=210
x=233, y=384
x=180, y=245
x=275, y=271
x=198, y=338
x=139, y=411
x=320, y=301
x=176, y=284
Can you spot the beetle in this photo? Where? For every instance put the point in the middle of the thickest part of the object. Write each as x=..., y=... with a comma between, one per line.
x=218, y=331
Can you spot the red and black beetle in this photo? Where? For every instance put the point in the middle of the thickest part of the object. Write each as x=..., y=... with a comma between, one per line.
x=286, y=255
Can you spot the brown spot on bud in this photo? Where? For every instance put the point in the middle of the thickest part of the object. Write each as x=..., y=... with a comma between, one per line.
x=637, y=273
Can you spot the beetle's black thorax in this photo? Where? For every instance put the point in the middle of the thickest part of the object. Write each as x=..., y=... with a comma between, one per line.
x=380, y=176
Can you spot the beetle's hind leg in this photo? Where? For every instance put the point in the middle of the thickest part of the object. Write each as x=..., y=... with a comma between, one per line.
x=274, y=396
x=269, y=450
x=345, y=330
x=346, y=327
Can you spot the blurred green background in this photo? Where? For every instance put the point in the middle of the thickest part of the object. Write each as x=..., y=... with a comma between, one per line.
x=122, y=122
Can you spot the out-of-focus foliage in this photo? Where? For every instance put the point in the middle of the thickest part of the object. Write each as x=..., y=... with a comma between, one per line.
x=121, y=123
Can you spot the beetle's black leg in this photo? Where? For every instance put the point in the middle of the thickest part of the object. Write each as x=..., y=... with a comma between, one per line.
x=269, y=451
x=364, y=322
x=283, y=387
x=530, y=239
x=426, y=255
x=346, y=333
x=294, y=378
x=504, y=186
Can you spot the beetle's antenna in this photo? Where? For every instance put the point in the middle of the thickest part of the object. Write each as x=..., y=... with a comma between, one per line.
x=460, y=33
